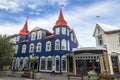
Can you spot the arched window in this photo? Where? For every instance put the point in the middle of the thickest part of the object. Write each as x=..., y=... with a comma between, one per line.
x=57, y=63
x=42, y=63
x=63, y=47
x=23, y=48
x=48, y=46
x=39, y=35
x=49, y=63
x=68, y=43
x=63, y=30
x=33, y=35
x=100, y=40
x=38, y=47
x=57, y=44
x=31, y=49
x=64, y=64
x=16, y=48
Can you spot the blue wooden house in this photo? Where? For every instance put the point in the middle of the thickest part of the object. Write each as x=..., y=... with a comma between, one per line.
x=49, y=48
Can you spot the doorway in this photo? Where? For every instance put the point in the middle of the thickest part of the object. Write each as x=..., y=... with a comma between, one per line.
x=115, y=63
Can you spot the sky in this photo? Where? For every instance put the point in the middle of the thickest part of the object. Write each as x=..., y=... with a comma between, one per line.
x=79, y=14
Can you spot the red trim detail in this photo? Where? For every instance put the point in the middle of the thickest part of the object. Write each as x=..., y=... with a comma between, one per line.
x=49, y=37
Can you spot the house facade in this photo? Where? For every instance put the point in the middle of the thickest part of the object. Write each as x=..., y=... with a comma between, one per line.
x=109, y=37
x=49, y=48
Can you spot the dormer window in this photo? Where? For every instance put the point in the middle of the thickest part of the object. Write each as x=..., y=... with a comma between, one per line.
x=63, y=30
x=48, y=46
x=100, y=40
x=33, y=35
x=39, y=35
x=57, y=31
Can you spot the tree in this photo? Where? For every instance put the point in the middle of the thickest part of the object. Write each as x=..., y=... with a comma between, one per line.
x=6, y=50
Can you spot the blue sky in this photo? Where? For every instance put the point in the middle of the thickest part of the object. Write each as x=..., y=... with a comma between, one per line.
x=79, y=14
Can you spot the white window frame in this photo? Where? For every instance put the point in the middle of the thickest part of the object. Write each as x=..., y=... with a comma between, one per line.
x=43, y=57
x=72, y=36
x=31, y=49
x=100, y=40
x=68, y=45
x=49, y=57
x=63, y=30
x=39, y=35
x=57, y=57
x=57, y=44
x=68, y=32
x=17, y=38
x=57, y=31
x=63, y=44
x=33, y=36
x=64, y=58
x=24, y=48
x=119, y=39
x=16, y=48
x=38, y=47
x=48, y=42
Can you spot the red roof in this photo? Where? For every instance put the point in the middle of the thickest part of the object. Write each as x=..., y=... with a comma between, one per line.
x=61, y=21
x=24, y=31
x=49, y=37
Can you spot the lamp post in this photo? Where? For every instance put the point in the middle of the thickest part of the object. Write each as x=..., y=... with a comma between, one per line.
x=33, y=59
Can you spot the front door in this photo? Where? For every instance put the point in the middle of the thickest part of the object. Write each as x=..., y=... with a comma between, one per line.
x=115, y=63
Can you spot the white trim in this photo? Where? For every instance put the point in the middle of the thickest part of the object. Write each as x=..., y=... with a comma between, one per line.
x=64, y=30
x=48, y=42
x=39, y=43
x=59, y=63
x=57, y=31
x=47, y=64
x=39, y=35
x=33, y=36
x=63, y=44
x=24, y=48
x=62, y=63
x=31, y=50
x=40, y=63
x=57, y=40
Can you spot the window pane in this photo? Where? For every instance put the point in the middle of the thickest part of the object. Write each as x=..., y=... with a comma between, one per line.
x=57, y=64
x=49, y=64
x=42, y=64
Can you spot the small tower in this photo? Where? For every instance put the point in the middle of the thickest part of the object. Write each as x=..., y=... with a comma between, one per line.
x=24, y=31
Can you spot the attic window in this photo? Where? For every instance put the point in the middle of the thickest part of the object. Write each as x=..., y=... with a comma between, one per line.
x=100, y=40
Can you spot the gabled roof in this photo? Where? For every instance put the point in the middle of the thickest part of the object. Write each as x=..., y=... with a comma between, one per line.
x=61, y=21
x=38, y=28
x=106, y=28
x=24, y=31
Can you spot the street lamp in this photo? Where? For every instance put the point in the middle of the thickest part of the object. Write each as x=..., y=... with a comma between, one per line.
x=33, y=59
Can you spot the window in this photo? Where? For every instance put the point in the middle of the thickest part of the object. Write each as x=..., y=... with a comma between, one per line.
x=68, y=45
x=64, y=63
x=43, y=63
x=48, y=46
x=38, y=47
x=118, y=38
x=57, y=62
x=33, y=35
x=68, y=32
x=18, y=38
x=16, y=48
x=39, y=35
x=63, y=30
x=72, y=36
x=49, y=63
x=63, y=47
x=24, y=48
x=57, y=44
x=57, y=31
x=100, y=40
x=31, y=48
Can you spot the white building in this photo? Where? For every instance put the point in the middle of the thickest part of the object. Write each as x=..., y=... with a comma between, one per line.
x=109, y=37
